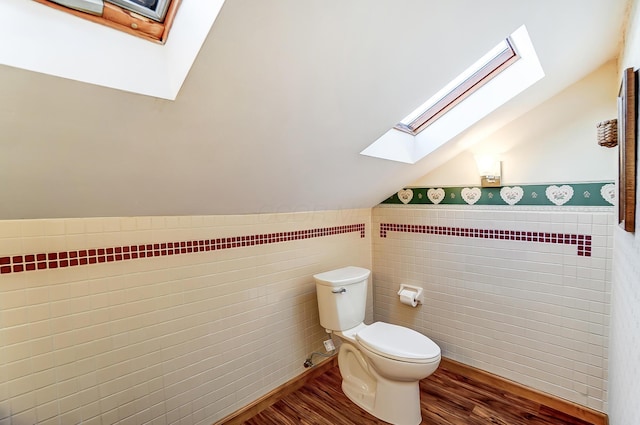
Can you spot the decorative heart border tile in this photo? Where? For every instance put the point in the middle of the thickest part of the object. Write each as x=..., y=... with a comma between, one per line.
x=405, y=195
x=471, y=195
x=599, y=194
x=609, y=192
x=559, y=195
x=511, y=195
x=436, y=195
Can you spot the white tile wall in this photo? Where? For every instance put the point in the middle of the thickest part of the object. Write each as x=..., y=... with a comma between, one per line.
x=535, y=313
x=181, y=339
x=624, y=383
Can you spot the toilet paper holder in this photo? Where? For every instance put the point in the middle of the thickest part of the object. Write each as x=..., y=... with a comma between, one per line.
x=418, y=293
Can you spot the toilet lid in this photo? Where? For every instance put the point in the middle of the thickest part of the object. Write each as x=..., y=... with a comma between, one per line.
x=398, y=342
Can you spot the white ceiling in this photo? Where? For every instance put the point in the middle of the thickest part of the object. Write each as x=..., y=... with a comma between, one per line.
x=276, y=108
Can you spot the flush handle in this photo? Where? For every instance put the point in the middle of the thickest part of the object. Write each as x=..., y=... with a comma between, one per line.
x=339, y=291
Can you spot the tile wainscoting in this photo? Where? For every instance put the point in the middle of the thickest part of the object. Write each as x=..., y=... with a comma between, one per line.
x=187, y=332
x=193, y=334
x=54, y=260
x=625, y=329
x=532, y=312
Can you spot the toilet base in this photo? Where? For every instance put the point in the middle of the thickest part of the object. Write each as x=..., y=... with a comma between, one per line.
x=382, y=406
x=396, y=402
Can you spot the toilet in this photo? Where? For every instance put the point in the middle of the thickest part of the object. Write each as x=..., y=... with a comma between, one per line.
x=381, y=364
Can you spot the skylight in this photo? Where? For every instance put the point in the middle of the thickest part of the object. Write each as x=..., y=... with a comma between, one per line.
x=502, y=73
x=60, y=44
x=474, y=77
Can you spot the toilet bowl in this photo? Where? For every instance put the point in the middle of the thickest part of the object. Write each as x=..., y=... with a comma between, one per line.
x=383, y=378
x=381, y=364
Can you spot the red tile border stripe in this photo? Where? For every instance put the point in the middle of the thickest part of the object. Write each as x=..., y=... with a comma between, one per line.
x=582, y=242
x=56, y=260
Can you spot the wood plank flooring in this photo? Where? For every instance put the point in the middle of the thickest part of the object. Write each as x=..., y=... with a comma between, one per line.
x=447, y=398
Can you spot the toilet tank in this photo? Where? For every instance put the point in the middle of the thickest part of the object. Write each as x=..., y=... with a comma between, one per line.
x=342, y=297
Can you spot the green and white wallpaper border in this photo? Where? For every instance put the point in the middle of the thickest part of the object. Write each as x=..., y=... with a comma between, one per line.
x=598, y=194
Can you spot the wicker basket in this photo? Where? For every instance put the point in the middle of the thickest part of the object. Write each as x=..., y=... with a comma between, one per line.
x=608, y=133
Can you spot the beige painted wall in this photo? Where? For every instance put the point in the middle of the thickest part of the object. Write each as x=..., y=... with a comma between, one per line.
x=554, y=143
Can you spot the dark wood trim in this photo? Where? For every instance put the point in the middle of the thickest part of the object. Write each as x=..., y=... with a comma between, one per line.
x=115, y=17
x=627, y=116
x=168, y=19
x=241, y=416
x=570, y=408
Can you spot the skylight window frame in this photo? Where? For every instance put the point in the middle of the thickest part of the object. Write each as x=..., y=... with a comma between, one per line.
x=116, y=17
x=460, y=92
x=156, y=13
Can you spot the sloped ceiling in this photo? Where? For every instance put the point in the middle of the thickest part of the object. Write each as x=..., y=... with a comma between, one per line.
x=280, y=101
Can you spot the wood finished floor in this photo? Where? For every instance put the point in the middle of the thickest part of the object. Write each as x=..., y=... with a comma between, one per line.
x=446, y=399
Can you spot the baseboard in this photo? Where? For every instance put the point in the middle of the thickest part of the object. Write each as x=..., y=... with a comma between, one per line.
x=570, y=408
x=244, y=414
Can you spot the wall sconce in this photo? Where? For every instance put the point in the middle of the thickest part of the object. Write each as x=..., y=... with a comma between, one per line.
x=489, y=168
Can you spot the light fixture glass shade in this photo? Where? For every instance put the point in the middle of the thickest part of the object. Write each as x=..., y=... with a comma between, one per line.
x=489, y=168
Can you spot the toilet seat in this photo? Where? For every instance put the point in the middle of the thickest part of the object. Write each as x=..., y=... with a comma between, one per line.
x=398, y=343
